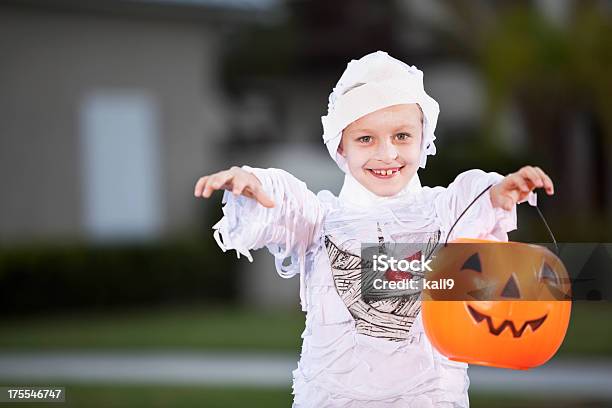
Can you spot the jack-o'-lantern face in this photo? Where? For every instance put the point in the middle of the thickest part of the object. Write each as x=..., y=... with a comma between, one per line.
x=509, y=305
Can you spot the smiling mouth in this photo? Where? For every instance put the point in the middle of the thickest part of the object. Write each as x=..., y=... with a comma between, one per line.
x=385, y=173
x=534, y=324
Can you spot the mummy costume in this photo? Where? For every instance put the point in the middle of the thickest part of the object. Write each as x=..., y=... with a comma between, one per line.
x=357, y=353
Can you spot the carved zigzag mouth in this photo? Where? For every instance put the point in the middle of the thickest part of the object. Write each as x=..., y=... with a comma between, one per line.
x=534, y=324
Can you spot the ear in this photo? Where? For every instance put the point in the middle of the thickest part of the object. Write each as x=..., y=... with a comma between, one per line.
x=341, y=149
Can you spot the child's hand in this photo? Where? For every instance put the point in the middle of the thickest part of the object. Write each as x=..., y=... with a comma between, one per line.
x=515, y=187
x=238, y=181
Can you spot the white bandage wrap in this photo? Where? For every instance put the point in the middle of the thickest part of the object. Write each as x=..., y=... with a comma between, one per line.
x=371, y=83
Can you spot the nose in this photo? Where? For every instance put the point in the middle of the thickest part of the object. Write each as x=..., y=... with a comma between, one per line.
x=387, y=151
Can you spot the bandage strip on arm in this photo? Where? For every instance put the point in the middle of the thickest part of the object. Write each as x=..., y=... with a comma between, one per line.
x=289, y=230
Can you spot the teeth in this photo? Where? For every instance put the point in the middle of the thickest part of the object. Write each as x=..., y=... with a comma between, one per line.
x=385, y=172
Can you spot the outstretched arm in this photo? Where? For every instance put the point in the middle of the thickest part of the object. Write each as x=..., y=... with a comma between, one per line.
x=267, y=207
x=264, y=207
x=493, y=215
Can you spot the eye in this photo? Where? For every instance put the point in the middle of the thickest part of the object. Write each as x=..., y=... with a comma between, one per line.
x=403, y=136
x=473, y=263
x=552, y=280
x=548, y=275
x=364, y=139
x=511, y=289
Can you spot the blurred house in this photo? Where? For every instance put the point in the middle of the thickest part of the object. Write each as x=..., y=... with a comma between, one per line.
x=110, y=111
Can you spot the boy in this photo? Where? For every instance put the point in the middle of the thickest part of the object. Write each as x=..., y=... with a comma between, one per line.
x=379, y=130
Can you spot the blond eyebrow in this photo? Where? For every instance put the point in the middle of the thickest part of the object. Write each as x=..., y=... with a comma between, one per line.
x=361, y=130
x=408, y=126
x=403, y=127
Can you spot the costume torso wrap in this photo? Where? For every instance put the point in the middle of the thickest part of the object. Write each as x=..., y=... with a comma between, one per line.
x=356, y=353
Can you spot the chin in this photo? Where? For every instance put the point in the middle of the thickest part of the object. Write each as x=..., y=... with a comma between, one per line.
x=386, y=192
x=386, y=188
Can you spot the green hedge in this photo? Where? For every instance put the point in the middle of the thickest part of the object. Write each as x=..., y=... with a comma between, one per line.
x=43, y=278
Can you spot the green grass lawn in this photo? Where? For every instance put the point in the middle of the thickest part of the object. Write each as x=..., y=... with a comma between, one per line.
x=590, y=330
x=118, y=396
x=216, y=328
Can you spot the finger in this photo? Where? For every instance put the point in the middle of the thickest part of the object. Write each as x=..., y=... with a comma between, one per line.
x=548, y=184
x=517, y=180
x=238, y=187
x=200, y=186
x=208, y=189
x=506, y=202
x=533, y=177
x=514, y=196
x=222, y=179
x=215, y=182
x=262, y=198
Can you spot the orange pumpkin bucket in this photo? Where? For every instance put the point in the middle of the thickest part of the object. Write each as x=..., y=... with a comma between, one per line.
x=509, y=306
x=511, y=333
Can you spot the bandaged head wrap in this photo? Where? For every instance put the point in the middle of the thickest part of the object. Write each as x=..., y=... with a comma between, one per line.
x=371, y=83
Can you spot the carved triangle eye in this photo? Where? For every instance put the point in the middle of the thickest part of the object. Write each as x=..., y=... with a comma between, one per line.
x=511, y=289
x=473, y=263
x=547, y=274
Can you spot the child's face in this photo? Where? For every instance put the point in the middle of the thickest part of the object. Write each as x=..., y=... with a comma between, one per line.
x=382, y=149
